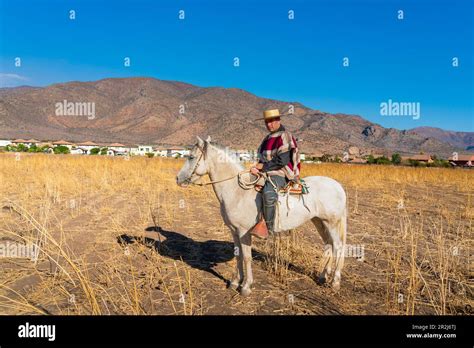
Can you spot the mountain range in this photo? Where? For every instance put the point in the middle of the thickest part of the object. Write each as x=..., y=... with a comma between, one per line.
x=464, y=140
x=148, y=110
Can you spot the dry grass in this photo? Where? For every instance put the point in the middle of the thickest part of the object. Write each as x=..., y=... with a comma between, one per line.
x=97, y=220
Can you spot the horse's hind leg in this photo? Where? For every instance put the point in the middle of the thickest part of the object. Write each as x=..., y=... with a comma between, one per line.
x=341, y=232
x=325, y=265
x=338, y=241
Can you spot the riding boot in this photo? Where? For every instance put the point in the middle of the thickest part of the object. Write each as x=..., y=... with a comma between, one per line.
x=269, y=213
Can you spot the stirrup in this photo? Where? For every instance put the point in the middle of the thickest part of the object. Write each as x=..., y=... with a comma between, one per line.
x=260, y=230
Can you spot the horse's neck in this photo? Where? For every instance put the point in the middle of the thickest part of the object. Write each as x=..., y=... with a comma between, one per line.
x=227, y=190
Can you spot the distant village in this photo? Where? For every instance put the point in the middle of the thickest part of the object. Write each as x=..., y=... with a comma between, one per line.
x=352, y=156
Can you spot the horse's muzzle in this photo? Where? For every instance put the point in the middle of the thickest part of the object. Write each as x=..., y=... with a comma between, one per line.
x=182, y=183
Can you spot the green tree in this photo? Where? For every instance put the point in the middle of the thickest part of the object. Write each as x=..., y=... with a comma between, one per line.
x=103, y=151
x=396, y=159
x=61, y=149
x=382, y=160
x=94, y=151
x=43, y=148
x=439, y=163
x=326, y=158
x=371, y=159
x=22, y=148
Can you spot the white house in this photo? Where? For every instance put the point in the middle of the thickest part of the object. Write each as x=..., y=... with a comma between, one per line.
x=31, y=142
x=144, y=149
x=160, y=151
x=133, y=150
x=88, y=146
x=17, y=142
x=78, y=151
x=118, y=149
x=63, y=143
x=5, y=142
x=141, y=150
x=177, y=151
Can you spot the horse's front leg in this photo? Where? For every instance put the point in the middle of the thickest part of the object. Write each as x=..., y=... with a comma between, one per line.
x=246, y=243
x=239, y=267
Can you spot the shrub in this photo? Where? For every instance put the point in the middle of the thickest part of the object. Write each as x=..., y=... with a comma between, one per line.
x=95, y=151
x=440, y=163
x=33, y=148
x=62, y=150
x=383, y=160
x=326, y=158
x=44, y=148
x=396, y=159
x=22, y=148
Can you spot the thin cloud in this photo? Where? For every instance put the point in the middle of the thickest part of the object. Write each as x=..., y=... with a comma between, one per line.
x=12, y=80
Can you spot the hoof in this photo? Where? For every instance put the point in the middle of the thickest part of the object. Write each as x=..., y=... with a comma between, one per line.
x=233, y=285
x=321, y=280
x=245, y=292
x=336, y=286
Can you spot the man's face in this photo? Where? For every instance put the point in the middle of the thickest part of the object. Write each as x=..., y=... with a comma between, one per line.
x=273, y=124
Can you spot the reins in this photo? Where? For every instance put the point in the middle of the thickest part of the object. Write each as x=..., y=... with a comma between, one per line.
x=246, y=185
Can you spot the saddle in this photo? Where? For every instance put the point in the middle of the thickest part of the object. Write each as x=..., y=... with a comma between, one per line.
x=260, y=230
x=295, y=188
x=292, y=187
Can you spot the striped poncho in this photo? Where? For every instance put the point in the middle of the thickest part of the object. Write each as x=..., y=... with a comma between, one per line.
x=279, y=154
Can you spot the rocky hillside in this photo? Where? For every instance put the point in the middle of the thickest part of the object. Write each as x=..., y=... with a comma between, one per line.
x=463, y=140
x=147, y=110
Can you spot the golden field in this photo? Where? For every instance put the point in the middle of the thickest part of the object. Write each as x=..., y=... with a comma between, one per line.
x=120, y=237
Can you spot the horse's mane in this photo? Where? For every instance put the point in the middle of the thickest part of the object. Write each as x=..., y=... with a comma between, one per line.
x=232, y=154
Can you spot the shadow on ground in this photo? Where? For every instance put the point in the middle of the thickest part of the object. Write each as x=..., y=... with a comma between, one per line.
x=199, y=255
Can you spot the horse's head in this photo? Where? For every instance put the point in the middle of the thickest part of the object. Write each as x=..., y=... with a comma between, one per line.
x=195, y=165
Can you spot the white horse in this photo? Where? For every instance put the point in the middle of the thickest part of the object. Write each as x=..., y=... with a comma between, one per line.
x=324, y=205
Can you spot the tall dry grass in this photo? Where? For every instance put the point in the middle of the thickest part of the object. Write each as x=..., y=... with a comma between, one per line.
x=415, y=225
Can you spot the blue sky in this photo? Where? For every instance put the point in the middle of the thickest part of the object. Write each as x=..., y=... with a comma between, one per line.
x=407, y=60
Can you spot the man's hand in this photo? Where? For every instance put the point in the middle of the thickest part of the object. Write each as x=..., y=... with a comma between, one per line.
x=255, y=170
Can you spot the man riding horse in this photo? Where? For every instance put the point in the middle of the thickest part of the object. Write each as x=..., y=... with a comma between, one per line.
x=324, y=201
x=279, y=163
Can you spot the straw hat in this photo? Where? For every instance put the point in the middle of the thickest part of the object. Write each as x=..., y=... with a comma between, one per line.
x=269, y=114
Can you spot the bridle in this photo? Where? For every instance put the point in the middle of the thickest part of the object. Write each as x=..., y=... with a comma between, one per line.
x=188, y=179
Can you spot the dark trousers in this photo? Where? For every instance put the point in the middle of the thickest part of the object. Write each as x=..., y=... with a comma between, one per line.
x=270, y=197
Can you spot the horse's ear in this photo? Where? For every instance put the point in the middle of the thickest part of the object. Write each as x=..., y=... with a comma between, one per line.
x=208, y=140
x=200, y=143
